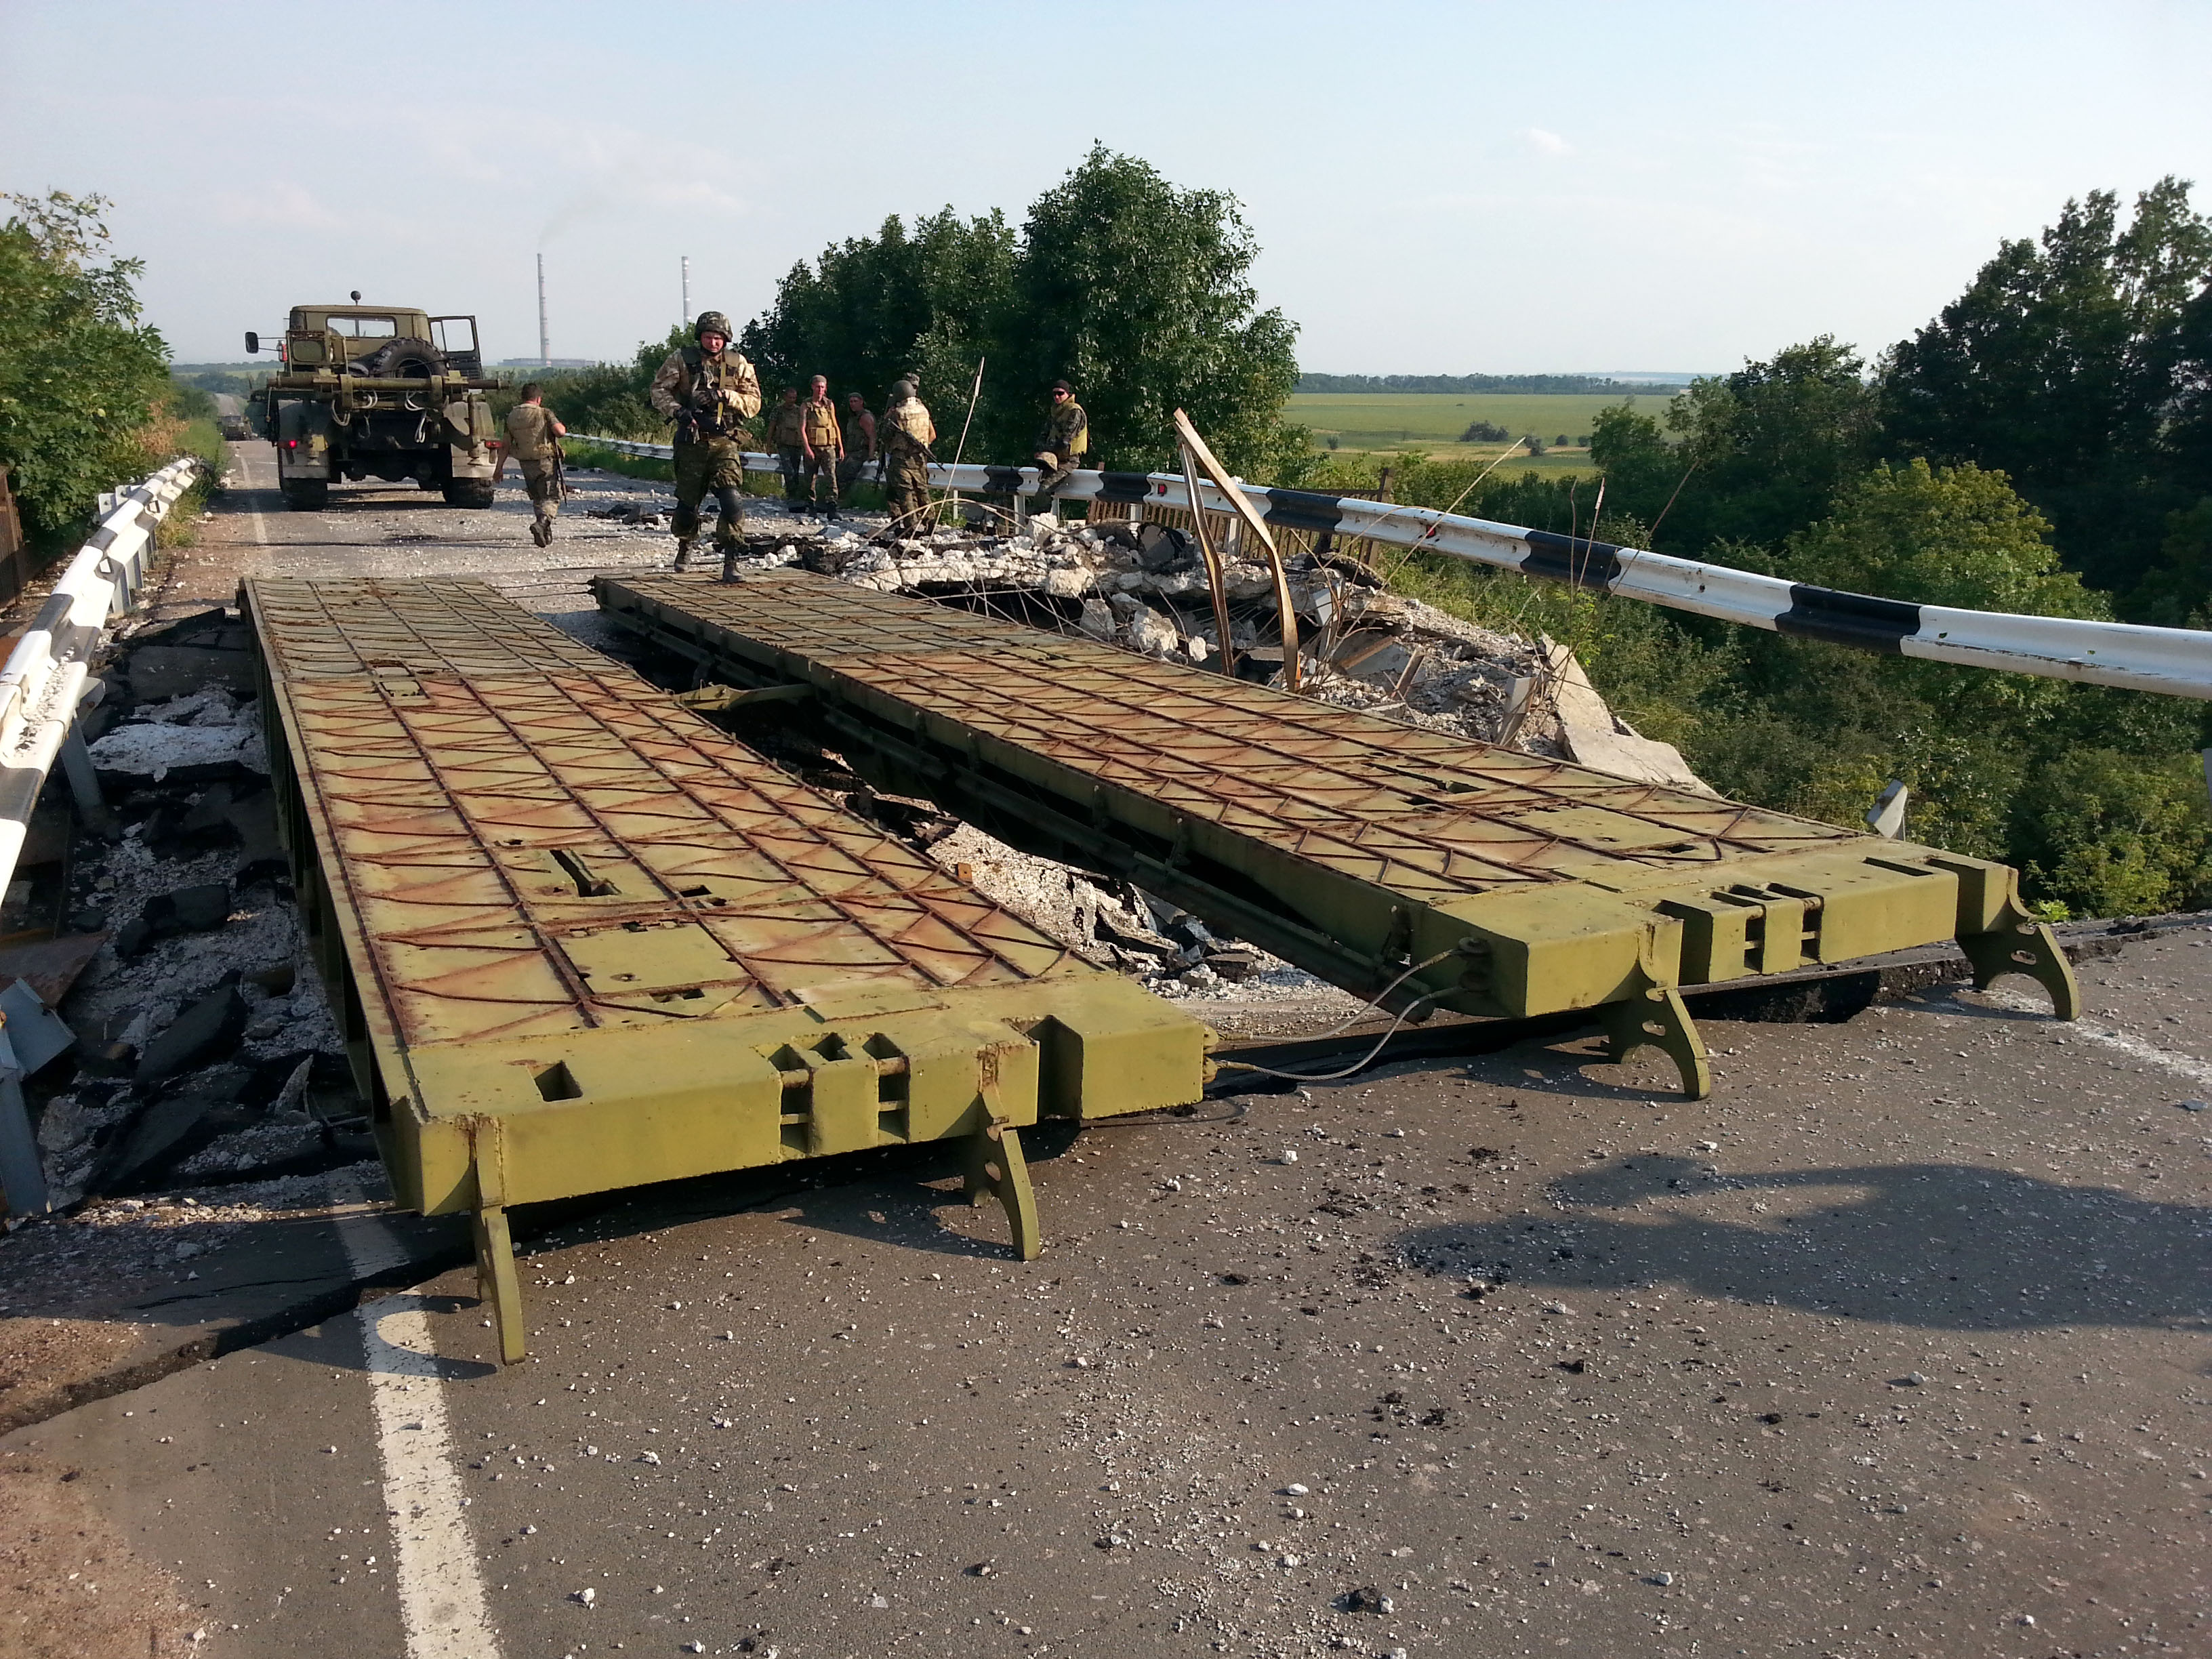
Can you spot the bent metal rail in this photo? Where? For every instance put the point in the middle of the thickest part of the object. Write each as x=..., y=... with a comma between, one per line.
x=2174, y=660
x=1395, y=861
x=579, y=939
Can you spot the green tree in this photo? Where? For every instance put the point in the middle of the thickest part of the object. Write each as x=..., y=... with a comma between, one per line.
x=80, y=376
x=1766, y=448
x=929, y=300
x=1139, y=292
x=2060, y=365
x=2112, y=834
x=2177, y=591
x=1941, y=535
x=1640, y=466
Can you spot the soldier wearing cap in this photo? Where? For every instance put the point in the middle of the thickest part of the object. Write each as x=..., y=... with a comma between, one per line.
x=906, y=432
x=823, y=442
x=534, y=438
x=1062, y=441
x=710, y=390
x=859, y=443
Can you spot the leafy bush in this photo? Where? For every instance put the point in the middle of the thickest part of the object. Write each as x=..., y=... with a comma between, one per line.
x=80, y=375
x=2113, y=834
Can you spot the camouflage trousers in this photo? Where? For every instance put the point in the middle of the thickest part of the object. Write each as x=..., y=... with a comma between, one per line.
x=716, y=467
x=544, y=484
x=906, y=488
x=791, y=458
x=821, y=469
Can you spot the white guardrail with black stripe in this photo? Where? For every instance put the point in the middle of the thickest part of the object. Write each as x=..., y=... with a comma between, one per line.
x=2174, y=660
x=41, y=688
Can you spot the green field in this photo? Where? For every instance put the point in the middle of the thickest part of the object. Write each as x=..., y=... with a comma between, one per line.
x=1431, y=422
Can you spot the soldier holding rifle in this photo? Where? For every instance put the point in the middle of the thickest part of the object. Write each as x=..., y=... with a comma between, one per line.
x=710, y=390
x=906, y=432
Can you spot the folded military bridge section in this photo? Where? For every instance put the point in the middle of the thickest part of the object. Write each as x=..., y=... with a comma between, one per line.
x=582, y=939
x=1401, y=863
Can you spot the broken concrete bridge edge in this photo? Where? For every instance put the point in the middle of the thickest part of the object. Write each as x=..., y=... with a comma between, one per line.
x=1143, y=588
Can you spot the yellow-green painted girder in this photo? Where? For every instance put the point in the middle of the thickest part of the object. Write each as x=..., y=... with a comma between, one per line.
x=583, y=939
x=1509, y=883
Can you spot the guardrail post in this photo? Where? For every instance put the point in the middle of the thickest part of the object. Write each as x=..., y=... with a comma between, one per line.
x=83, y=780
x=22, y=1178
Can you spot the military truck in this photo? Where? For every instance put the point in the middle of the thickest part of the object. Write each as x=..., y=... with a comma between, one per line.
x=380, y=392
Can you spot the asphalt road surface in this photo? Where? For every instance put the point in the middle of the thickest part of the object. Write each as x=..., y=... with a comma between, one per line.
x=1896, y=1346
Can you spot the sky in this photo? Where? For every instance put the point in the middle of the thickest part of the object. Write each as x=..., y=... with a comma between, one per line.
x=1463, y=188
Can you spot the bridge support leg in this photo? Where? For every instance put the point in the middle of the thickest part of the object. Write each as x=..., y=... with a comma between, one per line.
x=995, y=1168
x=496, y=1282
x=2018, y=944
x=1656, y=1018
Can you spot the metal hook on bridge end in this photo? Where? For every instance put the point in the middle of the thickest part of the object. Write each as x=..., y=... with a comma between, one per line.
x=1657, y=1018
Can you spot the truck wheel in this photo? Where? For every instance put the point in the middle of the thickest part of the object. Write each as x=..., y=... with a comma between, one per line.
x=470, y=492
x=306, y=494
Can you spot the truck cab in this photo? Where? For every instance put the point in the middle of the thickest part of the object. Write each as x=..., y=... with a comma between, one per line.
x=340, y=336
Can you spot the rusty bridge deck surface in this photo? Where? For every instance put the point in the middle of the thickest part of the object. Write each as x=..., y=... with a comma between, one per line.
x=1508, y=884
x=584, y=939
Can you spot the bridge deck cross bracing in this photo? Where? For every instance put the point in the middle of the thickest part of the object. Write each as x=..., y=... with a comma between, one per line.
x=1489, y=881
x=586, y=940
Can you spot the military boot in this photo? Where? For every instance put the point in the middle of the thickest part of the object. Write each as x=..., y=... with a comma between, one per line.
x=730, y=564
x=682, y=552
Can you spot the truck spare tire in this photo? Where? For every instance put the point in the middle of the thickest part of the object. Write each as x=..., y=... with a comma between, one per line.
x=401, y=358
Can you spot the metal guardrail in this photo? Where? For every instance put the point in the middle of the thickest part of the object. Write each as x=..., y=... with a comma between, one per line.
x=41, y=689
x=2174, y=660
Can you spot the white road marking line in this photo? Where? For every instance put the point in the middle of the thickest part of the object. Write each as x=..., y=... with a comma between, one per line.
x=260, y=525
x=2134, y=1046
x=442, y=1605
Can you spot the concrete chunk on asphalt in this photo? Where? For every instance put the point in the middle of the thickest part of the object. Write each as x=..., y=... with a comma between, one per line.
x=210, y=1025
x=158, y=672
x=173, y=1127
x=187, y=910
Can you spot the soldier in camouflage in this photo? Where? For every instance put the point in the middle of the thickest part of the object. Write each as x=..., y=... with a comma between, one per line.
x=823, y=441
x=860, y=442
x=709, y=390
x=786, y=436
x=534, y=438
x=1062, y=441
x=904, y=435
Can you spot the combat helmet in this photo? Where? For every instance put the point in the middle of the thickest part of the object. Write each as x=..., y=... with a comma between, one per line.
x=713, y=322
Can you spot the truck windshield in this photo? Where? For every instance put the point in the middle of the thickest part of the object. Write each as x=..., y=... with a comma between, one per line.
x=364, y=327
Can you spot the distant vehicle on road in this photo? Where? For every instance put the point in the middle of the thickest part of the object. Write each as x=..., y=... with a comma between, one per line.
x=230, y=416
x=380, y=392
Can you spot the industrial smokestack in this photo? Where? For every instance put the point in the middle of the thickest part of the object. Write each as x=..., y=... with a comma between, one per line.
x=687, y=290
x=544, y=338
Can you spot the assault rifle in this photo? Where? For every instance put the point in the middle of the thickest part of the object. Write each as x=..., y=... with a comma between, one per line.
x=713, y=420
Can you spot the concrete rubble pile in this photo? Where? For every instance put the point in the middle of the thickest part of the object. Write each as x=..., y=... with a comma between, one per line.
x=1145, y=587
x=204, y=1053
